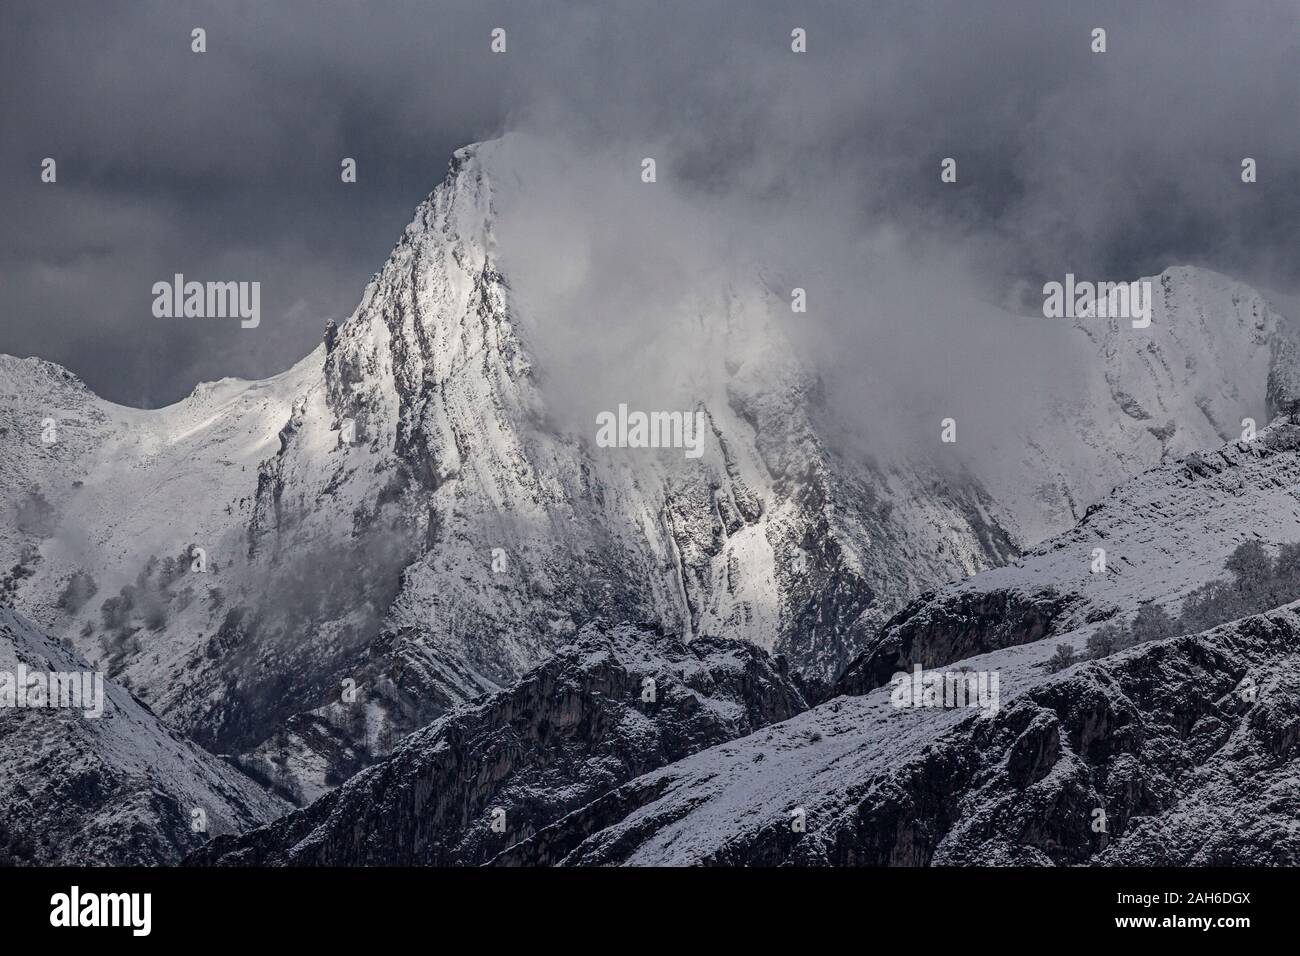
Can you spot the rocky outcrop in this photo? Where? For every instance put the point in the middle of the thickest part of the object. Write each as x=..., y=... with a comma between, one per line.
x=614, y=705
x=412, y=682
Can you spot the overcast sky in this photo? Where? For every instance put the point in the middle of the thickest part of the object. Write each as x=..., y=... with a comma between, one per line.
x=225, y=165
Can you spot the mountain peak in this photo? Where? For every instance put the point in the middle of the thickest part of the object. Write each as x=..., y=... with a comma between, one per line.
x=406, y=508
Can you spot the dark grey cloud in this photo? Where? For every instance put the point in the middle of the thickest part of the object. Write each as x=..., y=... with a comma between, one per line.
x=225, y=165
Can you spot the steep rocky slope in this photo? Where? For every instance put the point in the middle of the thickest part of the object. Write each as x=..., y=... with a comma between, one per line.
x=615, y=704
x=117, y=789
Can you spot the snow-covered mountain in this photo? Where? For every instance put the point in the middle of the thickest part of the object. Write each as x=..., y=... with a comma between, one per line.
x=400, y=523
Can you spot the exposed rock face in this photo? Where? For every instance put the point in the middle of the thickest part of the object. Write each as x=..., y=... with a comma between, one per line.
x=117, y=789
x=935, y=631
x=611, y=706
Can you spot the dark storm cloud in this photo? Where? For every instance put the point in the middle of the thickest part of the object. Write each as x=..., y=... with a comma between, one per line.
x=225, y=165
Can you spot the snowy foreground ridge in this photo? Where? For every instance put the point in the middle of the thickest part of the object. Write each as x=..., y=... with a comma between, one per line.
x=390, y=587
